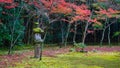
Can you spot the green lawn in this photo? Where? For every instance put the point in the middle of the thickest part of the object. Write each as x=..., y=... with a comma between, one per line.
x=74, y=60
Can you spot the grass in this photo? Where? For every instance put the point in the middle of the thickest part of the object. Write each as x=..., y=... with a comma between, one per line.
x=69, y=60
x=4, y=51
x=74, y=60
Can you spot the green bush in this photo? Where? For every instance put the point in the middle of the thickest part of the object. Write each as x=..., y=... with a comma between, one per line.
x=80, y=45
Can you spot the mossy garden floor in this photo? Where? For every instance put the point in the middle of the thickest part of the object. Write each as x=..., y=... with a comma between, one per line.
x=54, y=57
x=74, y=60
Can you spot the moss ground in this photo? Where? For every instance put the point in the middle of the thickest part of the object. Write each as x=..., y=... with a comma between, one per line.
x=74, y=60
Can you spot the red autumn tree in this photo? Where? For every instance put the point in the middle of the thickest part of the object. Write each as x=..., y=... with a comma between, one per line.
x=106, y=14
x=77, y=12
x=74, y=12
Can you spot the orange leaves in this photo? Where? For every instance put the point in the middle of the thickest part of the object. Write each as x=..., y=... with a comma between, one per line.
x=82, y=10
x=9, y=7
x=6, y=1
x=95, y=21
x=12, y=5
x=81, y=13
x=102, y=0
x=47, y=3
x=102, y=11
x=77, y=18
x=60, y=6
x=76, y=12
x=109, y=12
x=57, y=6
x=61, y=9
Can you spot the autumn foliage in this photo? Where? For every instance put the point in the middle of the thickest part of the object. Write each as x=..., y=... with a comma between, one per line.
x=12, y=5
x=109, y=12
x=6, y=1
x=81, y=13
x=75, y=12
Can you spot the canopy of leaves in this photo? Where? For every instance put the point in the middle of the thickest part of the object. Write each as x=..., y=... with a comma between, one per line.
x=20, y=12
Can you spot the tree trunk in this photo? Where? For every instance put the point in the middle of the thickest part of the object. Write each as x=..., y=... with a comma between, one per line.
x=85, y=33
x=75, y=32
x=66, y=37
x=109, y=40
x=118, y=40
x=101, y=41
x=62, y=36
x=94, y=36
x=10, y=49
x=103, y=33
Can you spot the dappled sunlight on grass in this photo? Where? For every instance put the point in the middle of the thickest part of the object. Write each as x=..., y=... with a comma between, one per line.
x=74, y=60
